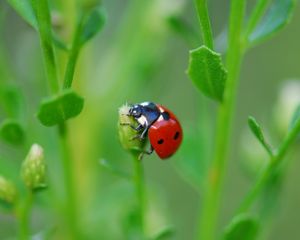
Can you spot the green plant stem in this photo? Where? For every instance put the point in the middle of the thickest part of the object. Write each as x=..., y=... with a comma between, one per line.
x=215, y=176
x=42, y=13
x=43, y=17
x=70, y=203
x=74, y=53
x=23, y=213
x=256, y=15
x=273, y=164
x=202, y=10
x=140, y=193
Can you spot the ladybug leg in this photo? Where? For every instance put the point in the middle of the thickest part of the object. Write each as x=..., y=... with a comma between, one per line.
x=143, y=134
x=149, y=152
x=136, y=128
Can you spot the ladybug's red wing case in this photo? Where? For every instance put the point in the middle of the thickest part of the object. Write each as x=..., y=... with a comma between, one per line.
x=165, y=134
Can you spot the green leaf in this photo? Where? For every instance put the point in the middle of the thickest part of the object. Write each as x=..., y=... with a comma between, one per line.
x=92, y=24
x=258, y=133
x=244, y=227
x=12, y=132
x=207, y=72
x=60, y=108
x=295, y=118
x=24, y=9
x=278, y=15
x=165, y=234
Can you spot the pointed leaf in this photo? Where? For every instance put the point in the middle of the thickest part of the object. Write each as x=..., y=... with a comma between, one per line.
x=92, y=24
x=244, y=227
x=295, y=118
x=257, y=131
x=207, y=72
x=24, y=9
x=12, y=132
x=60, y=108
x=278, y=15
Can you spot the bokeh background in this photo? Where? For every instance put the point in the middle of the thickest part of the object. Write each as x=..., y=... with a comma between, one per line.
x=139, y=57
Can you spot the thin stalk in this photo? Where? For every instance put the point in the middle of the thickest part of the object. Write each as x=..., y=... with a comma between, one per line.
x=23, y=213
x=215, y=176
x=256, y=15
x=140, y=193
x=42, y=12
x=41, y=9
x=203, y=16
x=74, y=53
x=273, y=164
x=70, y=203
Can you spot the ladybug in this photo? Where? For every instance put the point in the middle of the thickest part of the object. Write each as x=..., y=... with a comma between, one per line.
x=160, y=125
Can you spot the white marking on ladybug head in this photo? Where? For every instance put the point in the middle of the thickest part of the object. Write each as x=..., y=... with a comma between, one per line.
x=142, y=120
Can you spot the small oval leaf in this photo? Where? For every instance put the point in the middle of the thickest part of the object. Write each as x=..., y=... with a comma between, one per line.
x=92, y=24
x=257, y=131
x=60, y=108
x=278, y=15
x=244, y=227
x=207, y=72
x=12, y=132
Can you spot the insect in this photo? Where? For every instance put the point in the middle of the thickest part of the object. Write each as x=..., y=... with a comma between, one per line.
x=160, y=125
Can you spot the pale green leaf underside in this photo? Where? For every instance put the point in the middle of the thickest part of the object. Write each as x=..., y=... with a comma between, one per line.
x=275, y=19
x=207, y=72
x=60, y=108
x=243, y=227
x=295, y=118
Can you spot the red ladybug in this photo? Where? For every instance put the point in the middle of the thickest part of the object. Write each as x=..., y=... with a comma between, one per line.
x=161, y=126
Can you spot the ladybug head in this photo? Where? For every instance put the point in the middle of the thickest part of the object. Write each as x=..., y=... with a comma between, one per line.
x=136, y=111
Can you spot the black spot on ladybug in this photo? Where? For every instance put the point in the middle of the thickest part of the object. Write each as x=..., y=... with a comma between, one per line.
x=160, y=141
x=176, y=136
x=165, y=115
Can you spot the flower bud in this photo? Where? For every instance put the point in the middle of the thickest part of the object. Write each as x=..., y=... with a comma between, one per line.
x=288, y=101
x=8, y=192
x=34, y=168
x=127, y=134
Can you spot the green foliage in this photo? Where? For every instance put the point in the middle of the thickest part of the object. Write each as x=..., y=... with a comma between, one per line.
x=92, y=24
x=60, y=108
x=12, y=132
x=244, y=227
x=278, y=15
x=207, y=72
x=258, y=133
x=24, y=9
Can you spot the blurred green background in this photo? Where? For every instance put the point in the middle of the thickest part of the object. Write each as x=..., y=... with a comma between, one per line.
x=138, y=57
